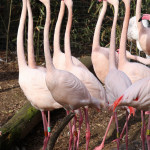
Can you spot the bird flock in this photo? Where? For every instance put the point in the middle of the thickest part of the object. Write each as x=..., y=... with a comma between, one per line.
x=67, y=83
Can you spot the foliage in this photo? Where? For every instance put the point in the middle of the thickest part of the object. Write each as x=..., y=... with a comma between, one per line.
x=85, y=14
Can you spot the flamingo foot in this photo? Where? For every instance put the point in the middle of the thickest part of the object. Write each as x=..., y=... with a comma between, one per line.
x=100, y=147
x=117, y=141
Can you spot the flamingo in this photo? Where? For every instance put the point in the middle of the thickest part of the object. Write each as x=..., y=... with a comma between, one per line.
x=132, y=34
x=137, y=96
x=100, y=55
x=144, y=33
x=114, y=76
x=31, y=78
x=59, y=56
x=59, y=63
x=89, y=80
x=66, y=88
x=135, y=71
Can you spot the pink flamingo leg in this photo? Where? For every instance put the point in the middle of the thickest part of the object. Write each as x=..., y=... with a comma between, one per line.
x=75, y=132
x=127, y=129
x=71, y=135
x=121, y=135
x=102, y=144
x=80, y=123
x=48, y=126
x=143, y=129
x=87, y=127
x=148, y=133
x=45, y=130
x=116, y=120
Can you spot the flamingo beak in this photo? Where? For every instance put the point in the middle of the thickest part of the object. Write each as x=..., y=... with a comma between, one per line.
x=144, y=17
x=140, y=19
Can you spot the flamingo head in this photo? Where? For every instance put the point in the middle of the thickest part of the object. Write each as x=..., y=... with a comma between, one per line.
x=144, y=17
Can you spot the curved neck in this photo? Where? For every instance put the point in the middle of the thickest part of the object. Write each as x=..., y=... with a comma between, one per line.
x=139, y=59
x=31, y=59
x=48, y=59
x=122, y=52
x=57, y=29
x=20, y=43
x=96, y=38
x=67, y=39
x=138, y=14
x=112, y=52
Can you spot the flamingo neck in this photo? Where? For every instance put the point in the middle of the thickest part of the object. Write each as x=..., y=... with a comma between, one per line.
x=112, y=52
x=122, y=52
x=48, y=59
x=67, y=39
x=20, y=44
x=31, y=59
x=138, y=14
x=57, y=49
x=96, y=38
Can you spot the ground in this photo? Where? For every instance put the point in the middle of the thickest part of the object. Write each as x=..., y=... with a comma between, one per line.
x=12, y=99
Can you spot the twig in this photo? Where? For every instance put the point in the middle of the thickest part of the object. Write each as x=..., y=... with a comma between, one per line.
x=8, y=28
x=54, y=137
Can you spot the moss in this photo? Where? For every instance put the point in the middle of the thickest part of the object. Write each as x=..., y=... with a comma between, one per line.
x=14, y=128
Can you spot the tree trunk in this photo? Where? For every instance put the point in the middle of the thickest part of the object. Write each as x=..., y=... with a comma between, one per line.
x=19, y=126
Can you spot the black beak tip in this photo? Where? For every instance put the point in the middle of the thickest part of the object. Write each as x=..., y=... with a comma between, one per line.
x=140, y=19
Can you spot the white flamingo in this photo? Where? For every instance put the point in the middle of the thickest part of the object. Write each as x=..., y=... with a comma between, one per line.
x=31, y=77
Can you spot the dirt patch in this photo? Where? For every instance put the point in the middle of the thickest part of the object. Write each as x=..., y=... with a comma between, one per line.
x=12, y=99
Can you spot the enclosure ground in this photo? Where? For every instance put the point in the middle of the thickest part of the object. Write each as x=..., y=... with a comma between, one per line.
x=12, y=99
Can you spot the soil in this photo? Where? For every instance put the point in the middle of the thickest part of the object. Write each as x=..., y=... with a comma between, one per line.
x=12, y=99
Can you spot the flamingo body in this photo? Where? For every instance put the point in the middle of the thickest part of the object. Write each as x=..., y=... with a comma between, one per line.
x=113, y=88
x=137, y=95
x=59, y=58
x=135, y=71
x=38, y=93
x=100, y=61
x=72, y=93
x=60, y=61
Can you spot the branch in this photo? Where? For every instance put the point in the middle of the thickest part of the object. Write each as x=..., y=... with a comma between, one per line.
x=55, y=135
